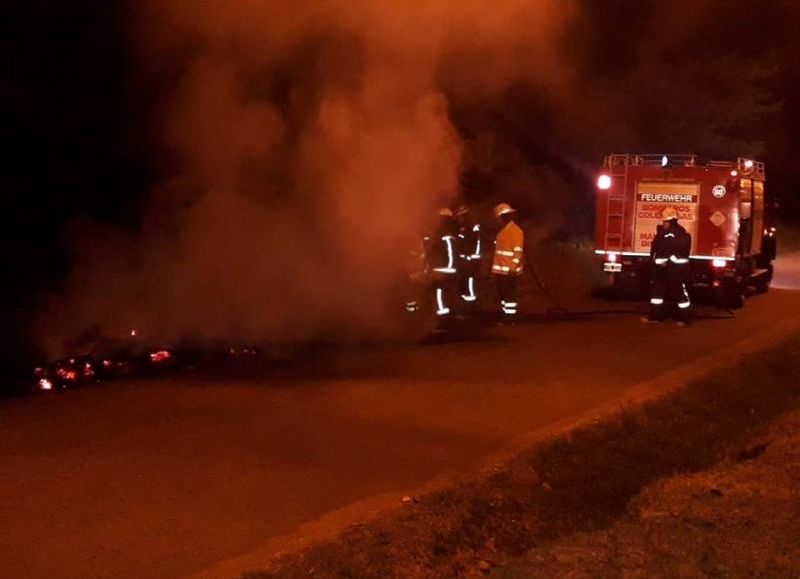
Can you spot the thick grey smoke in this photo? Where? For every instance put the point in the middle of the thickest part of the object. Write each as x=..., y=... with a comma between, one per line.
x=303, y=143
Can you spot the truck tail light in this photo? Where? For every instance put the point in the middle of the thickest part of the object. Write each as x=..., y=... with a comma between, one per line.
x=604, y=182
x=612, y=264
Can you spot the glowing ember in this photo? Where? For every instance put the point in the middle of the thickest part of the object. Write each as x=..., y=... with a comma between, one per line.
x=160, y=356
x=45, y=384
x=133, y=333
x=65, y=374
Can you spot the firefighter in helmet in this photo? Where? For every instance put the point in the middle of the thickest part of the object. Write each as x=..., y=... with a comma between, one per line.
x=669, y=255
x=507, y=261
x=441, y=253
x=469, y=244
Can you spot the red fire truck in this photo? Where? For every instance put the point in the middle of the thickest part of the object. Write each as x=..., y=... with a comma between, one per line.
x=720, y=203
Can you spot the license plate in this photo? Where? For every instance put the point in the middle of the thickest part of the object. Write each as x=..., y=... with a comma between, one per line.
x=612, y=267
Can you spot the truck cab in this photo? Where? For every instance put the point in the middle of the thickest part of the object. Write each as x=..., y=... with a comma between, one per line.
x=722, y=204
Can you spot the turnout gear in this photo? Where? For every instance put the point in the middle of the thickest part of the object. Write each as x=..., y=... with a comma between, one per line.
x=469, y=243
x=669, y=254
x=507, y=260
x=461, y=211
x=417, y=272
x=442, y=254
x=508, y=250
x=503, y=209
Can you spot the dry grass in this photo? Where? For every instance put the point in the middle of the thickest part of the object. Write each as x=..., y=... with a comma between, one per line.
x=740, y=518
x=577, y=483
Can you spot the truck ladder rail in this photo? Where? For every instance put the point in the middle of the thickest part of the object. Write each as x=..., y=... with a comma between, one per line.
x=744, y=166
x=648, y=160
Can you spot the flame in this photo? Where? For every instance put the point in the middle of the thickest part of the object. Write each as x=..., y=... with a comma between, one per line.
x=160, y=356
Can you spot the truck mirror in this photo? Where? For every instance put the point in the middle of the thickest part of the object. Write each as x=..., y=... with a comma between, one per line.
x=745, y=210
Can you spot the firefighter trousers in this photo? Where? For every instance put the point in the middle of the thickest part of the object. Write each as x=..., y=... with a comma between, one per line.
x=669, y=293
x=467, y=278
x=445, y=294
x=414, y=290
x=507, y=293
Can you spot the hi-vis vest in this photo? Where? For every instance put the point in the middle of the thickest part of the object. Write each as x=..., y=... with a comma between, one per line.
x=508, y=250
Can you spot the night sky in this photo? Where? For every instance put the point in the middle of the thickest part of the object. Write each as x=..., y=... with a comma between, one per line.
x=80, y=118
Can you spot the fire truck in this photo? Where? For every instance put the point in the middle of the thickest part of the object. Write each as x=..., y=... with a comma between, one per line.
x=721, y=204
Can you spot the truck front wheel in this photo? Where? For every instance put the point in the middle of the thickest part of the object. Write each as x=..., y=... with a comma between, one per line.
x=763, y=280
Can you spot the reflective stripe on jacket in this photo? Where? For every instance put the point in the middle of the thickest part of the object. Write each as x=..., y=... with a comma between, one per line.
x=441, y=254
x=673, y=246
x=508, y=250
x=469, y=237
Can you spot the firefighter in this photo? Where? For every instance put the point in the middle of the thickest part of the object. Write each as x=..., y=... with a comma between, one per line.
x=469, y=249
x=507, y=262
x=417, y=273
x=669, y=255
x=441, y=252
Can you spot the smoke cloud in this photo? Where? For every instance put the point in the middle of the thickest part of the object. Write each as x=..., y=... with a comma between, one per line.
x=301, y=145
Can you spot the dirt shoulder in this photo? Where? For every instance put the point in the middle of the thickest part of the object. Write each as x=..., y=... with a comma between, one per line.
x=582, y=486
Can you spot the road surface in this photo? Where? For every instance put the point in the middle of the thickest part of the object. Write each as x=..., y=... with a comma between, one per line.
x=167, y=478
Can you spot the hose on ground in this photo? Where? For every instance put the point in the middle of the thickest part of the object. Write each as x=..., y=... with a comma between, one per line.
x=558, y=311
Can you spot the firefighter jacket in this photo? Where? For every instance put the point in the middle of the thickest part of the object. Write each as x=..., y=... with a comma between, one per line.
x=671, y=247
x=508, y=250
x=416, y=262
x=469, y=242
x=442, y=250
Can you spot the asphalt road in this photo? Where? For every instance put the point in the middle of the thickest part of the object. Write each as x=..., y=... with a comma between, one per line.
x=167, y=478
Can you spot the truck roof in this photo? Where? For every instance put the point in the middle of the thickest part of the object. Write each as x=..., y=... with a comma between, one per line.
x=744, y=166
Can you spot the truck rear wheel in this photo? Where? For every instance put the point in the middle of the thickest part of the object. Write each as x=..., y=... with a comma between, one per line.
x=732, y=295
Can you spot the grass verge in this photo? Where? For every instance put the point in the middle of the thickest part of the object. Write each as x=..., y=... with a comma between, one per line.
x=740, y=518
x=576, y=483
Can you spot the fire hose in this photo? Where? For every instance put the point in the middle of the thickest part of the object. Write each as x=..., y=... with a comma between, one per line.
x=557, y=311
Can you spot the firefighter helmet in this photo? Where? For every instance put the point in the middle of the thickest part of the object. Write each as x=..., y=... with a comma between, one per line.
x=445, y=212
x=503, y=209
x=461, y=210
x=669, y=213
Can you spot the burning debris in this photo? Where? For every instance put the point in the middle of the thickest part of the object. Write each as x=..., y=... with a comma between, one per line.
x=160, y=357
x=104, y=360
x=130, y=357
